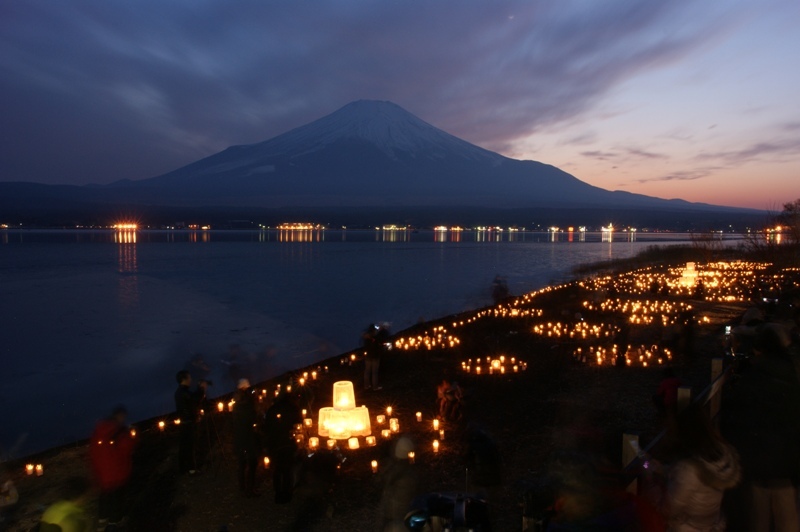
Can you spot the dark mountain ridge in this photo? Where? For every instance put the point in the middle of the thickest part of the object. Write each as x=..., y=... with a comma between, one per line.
x=366, y=155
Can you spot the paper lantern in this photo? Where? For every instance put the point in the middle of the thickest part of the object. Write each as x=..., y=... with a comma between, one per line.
x=220, y=406
x=411, y=457
x=29, y=468
x=436, y=446
x=308, y=422
x=370, y=440
x=352, y=443
x=386, y=433
x=39, y=470
x=374, y=465
x=266, y=462
x=331, y=444
x=419, y=416
x=380, y=419
x=313, y=443
x=394, y=424
x=435, y=424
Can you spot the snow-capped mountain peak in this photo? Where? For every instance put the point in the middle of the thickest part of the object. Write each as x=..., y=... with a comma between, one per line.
x=385, y=125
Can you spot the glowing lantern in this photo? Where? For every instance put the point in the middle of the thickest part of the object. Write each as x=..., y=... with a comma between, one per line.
x=370, y=440
x=313, y=443
x=436, y=446
x=386, y=433
x=435, y=424
x=352, y=443
x=39, y=470
x=419, y=416
x=266, y=462
x=161, y=426
x=380, y=419
x=394, y=424
x=344, y=420
x=29, y=469
x=388, y=410
x=220, y=406
x=374, y=465
x=331, y=444
x=308, y=422
x=411, y=456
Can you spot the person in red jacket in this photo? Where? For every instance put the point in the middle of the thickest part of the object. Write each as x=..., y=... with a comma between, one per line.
x=111, y=457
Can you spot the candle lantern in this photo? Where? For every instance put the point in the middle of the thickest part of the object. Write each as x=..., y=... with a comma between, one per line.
x=29, y=469
x=308, y=422
x=389, y=411
x=380, y=419
x=435, y=424
x=374, y=465
x=230, y=405
x=441, y=434
x=370, y=440
x=344, y=420
x=436, y=446
x=394, y=424
x=39, y=470
x=161, y=426
x=313, y=443
x=305, y=412
x=386, y=433
x=266, y=462
x=419, y=416
x=331, y=444
x=133, y=433
x=313, y=375
x=352, y=443
x=220, y=406
x=177, y=421
x=411, y=456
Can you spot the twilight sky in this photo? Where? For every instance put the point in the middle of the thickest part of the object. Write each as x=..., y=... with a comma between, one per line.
x=671, y=98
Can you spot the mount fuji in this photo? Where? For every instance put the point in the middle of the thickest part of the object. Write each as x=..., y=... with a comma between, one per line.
x=370, y=154
x=367, y=156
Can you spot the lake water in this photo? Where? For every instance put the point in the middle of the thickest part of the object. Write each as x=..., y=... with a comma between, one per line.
x=91, y=319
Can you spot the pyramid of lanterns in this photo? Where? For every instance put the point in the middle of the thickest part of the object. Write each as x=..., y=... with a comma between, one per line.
x=344, y=420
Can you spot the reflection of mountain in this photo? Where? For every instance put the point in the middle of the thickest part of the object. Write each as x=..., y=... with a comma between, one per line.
x=368, y=154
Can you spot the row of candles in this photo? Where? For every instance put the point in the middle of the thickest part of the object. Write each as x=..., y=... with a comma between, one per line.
x=30, y=469
x=641, y=355
x=491, y=366
x=582, y=330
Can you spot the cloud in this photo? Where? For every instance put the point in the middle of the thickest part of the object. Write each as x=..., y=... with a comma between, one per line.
x=786, y=149
x=682, y=175
x=183, y=79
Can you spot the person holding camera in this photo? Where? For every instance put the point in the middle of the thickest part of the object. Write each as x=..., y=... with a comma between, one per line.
x=187, y=408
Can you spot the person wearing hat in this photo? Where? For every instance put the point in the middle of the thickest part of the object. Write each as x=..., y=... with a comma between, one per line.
x=245, y=438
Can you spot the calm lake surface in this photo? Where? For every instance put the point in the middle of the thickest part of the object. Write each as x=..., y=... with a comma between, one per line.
x=91, y=319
